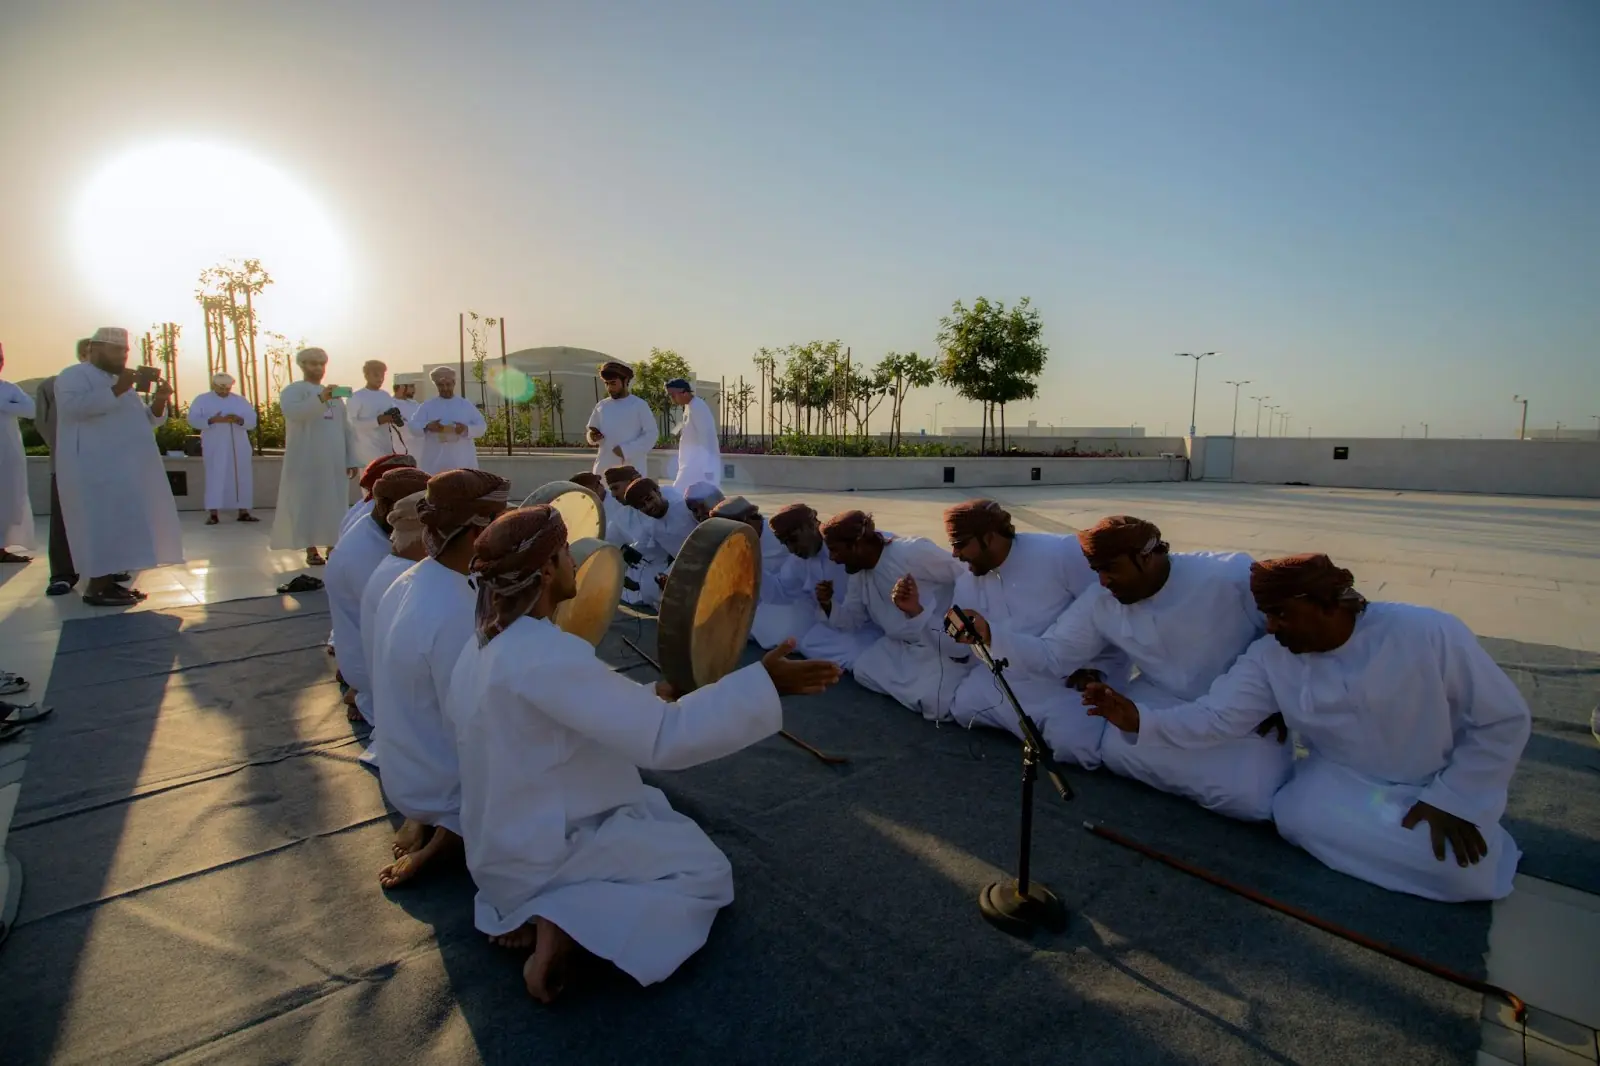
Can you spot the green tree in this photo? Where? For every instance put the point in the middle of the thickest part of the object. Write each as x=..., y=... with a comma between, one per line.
x=902, y=372
x=478, y=340
x=650, y=377
x=993, y=356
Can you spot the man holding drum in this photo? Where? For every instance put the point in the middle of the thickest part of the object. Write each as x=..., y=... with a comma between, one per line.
x=572, y=853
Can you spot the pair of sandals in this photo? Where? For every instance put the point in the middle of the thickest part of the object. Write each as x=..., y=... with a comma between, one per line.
x=13, y=716
x=244, y=516
x=119, y=596
x=13, y=557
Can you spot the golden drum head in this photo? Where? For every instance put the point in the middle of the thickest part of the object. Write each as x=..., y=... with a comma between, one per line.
x=600, y=571
x=584, y=515
x=708, y=603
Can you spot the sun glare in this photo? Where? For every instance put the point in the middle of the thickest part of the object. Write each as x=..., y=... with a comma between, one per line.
x=151, y=220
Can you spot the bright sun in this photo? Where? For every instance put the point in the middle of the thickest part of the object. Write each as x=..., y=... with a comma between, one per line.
x=150, y=221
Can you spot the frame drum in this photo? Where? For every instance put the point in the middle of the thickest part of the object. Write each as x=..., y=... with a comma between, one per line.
x=583, y=514
x=600, y=569
x=708, y=603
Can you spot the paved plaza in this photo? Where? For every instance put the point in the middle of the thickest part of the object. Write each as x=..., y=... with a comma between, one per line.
x=1514, y=569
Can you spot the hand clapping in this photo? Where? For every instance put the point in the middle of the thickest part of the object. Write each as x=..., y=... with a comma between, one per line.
x=905, y=596
x=1105, y=702
x=798, y=677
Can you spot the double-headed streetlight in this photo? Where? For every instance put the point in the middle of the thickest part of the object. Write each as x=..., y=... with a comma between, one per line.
x=1522, y=434
x=1194, y=401
x=1259, y=401
x=1272, y=417
x=1235, y=385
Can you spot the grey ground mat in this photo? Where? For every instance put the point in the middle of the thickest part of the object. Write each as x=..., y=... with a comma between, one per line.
x=202, y=851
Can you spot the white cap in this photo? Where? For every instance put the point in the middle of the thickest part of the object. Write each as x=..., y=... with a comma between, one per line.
x=438, y=373
x=221, y=379
x=115, y=336
x=310, y=355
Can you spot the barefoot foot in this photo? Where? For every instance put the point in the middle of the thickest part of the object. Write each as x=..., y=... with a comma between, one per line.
x=408, y=866
x=409, y=837
x=519, y=939
x=545, y=972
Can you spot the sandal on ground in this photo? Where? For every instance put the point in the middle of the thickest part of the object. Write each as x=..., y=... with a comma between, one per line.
x=247, y=517
x=9, y=731
x=212, y=519
x=135, y=593
x=12, y=557
x=22, y=714
x=301, y=583
x=120, y=598
x=11, y=684
x=59, y=587
x=121, y=577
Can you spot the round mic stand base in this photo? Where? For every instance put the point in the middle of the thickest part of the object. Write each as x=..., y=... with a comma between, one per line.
x=1010, y=912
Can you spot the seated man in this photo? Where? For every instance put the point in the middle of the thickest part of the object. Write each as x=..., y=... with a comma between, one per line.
x=594, y=483
x=798, y=529
x=363, y=507
x=904, y=585
x=1023, y=582
x=619, y=516
x=407, y=550
x=662, y=521
x=701, y=499
x=363, y=546
x=776, y=618
x=1182, y=620
x=1407, y=720
x=570, y=850
x=425, y=619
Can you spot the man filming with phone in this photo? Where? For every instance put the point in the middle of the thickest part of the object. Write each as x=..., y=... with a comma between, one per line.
x=115, y=499
x=314, y=490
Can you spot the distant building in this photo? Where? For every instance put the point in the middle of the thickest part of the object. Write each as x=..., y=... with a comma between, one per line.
x=1034, y=429
x=1590, y=433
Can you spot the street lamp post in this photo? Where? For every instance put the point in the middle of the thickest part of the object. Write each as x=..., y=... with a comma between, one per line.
x=1235, y=385
x=1283, y=428
x=936, y=417
x=1272, y=416
x=1259, y=401
x=1194, y=400
x=1522, y=434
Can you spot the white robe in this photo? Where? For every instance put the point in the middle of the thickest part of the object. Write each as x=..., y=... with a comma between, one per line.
x=699, y=458
x=359, y=553
x=1041, y=577
x=556, y=820
x=226, y=447
x=368, y=439
x=783, y=610
x=628, y=424
x=410, y=433
x=314, y=488
x=619, y=521
x=906, y=663
x=16, y=513
x=444, y=449
x=659, y=540
x=1181, y=639
x=383, y=576
x=115, y=498
x=822, y=640
x=426, y=618
x=1410, y=708
x=358, y=510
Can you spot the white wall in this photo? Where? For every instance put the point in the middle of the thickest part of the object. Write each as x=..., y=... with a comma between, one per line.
x=1509, y=467
x=837, y=475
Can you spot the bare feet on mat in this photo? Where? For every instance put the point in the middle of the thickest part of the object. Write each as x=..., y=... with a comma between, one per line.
x=545, y=972
x=407, y=867
x=521, y=938
x=409, y=837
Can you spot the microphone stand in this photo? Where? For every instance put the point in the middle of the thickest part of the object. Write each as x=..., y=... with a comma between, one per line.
x=1018, y=907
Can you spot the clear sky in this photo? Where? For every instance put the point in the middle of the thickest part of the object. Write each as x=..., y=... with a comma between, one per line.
x=1382, y=212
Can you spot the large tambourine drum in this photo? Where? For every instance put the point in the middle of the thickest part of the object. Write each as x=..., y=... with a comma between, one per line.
x=600, y=571
x=708, y=603
x=584, y=515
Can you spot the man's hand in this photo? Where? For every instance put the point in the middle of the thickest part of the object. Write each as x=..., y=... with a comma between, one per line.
x=1462, y=835
x=825, y=595
x=1271, y=722
x=459, y=427
x=980, y=626
x=618, y=453
x=905, y=596
x=386, y=420
x=1083, y=677
x=665, y=691
x=434, y=427
x=593, y=436
x=661, y=581
x=798, y=677
x=214, y=419
x=351, y=471
x=124, y=381
x=163, y=390
x=1105, y=702
x=326, y=394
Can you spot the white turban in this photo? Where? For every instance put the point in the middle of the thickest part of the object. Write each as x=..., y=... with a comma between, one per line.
x=310, y=355
x=115, y=336
x=439, y=373
x=221, y=379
